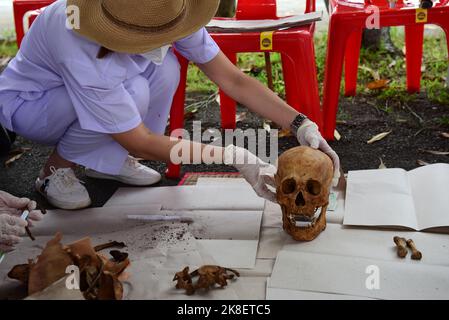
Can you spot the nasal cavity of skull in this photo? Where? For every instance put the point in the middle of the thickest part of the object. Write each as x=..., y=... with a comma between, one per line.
x=300, y=200
x=313, y=187
x=288, y=186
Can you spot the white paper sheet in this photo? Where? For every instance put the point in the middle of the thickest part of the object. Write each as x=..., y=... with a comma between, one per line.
x=271, y=241
x=190, y=198
x=91, y=221
x=379, y=197
x=430, y=188
x=238, y=230
x=210, y=181
x=263, y=268
x=397, y=198
x=217, y=25
x=288, y=294
x=232, y=253
x=250, y=288
x=353, y=276
x=370, y=244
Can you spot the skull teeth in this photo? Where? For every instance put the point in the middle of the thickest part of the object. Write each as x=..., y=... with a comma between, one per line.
x=302, y=221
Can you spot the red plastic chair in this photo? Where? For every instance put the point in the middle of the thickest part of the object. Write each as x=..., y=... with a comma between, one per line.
x=347, y=21
x=25, y=11
x=298, y=63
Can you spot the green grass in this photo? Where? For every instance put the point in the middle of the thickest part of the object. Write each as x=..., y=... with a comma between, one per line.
x=385, y=65
x=392, y=68
x=443, y=120
x=250, y=63
x=381, y=62
x=7, y=49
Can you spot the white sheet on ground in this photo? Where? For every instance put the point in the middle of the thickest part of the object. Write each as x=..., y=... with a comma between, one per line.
x=190, y=198
x=353, y=276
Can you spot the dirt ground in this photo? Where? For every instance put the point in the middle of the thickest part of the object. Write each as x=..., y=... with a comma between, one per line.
x=413, y=130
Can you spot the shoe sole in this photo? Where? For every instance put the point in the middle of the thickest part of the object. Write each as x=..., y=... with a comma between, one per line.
x=65, y=206
x=96, y=175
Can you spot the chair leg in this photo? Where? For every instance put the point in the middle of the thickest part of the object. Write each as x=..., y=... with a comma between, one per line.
x=177, y=114
x=228, y=106
x=352, y=57
x=334, y=65
x=292, y=86
x=299, y=63
x=414, y=51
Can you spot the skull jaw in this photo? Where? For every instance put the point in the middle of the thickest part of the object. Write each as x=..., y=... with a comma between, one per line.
x=304, y=234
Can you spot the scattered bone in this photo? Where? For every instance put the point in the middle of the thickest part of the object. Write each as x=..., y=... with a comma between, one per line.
x=416, y=254
x=401, y=244
x=208, y=277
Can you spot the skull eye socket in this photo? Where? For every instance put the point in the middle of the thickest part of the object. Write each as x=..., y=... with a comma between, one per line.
x=288, y=186
x=313, y=187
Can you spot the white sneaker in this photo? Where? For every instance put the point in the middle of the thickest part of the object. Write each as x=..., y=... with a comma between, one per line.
x=132, y=173
x=63, y=190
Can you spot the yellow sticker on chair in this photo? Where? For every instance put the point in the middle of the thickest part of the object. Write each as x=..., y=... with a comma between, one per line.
x=266, y=40
x=421, y=15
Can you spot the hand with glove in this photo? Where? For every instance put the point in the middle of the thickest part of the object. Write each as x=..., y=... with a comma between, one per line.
x=308, y=134
x=11, y=229
x=11, y=225
x=256, y=172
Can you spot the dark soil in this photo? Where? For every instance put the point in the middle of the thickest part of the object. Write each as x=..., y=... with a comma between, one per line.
x=360, y=120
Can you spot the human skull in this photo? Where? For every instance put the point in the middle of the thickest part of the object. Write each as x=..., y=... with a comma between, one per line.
x=303, y=182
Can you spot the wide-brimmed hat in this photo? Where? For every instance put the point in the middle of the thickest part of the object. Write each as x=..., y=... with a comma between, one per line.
x=139, y=26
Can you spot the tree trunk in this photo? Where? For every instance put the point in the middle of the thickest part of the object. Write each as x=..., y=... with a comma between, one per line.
x=371, y=39
x=226, y=9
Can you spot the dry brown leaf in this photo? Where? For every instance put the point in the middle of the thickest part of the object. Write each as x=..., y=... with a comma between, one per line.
x=445, y=134
x=437, y=153
x=422, y=163
x=284, y=133
x=378, y=137
x=9, y=161
x=50, y=266
x=378, y=84
x=382, y=164
x=337, y=135
x=15, y=155
x=241, y=116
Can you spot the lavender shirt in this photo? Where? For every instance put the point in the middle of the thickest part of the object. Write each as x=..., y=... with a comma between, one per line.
x=52, y=55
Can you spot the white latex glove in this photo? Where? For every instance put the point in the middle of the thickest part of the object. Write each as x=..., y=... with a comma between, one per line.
x=309, y=135
x=11, y=228
x=256, y=172
x=15, y=206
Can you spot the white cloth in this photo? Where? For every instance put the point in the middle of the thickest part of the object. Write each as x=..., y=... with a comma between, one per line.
x=157, y=56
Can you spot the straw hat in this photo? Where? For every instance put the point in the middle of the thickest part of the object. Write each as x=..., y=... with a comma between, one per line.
x=139, y=26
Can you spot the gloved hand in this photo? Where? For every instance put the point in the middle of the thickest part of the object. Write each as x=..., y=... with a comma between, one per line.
x=11, y=228
x=309, y=135
x=15, y=206
x=256, y=172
